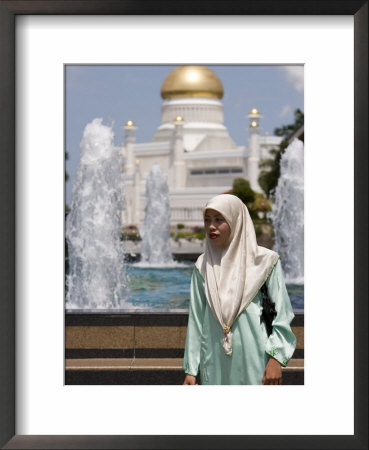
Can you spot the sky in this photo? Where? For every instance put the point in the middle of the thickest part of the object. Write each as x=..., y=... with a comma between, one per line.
x=118, y=93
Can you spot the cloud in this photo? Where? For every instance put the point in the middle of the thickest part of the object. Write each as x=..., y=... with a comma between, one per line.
x=295, y=76
x=284, y=111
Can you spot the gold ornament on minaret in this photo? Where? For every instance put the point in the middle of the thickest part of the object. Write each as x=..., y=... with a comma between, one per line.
x=192, y=81
x=254, y=116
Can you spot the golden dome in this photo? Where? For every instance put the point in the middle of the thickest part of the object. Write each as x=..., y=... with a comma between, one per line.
x=254, y=111
x=192, y=81
x=129, y=123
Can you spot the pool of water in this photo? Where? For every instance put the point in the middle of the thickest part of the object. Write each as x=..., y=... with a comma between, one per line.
x=163, y=289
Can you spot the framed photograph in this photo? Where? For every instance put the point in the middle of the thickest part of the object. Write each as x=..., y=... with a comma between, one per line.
x=37, y=39
x=160, y=230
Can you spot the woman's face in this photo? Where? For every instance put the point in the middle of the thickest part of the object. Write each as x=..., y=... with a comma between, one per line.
x=216, y=228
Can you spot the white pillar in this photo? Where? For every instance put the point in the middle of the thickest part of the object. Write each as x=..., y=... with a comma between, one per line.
x=178, y=154
x=129, y=216
x=129, y=140
x=254, y=150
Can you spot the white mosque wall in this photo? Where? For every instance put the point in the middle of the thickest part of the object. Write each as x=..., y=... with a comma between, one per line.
x=206, y=173
x=147, y=162
x=151, y=148
x=217, y=141
x=202, y=127
x=201, y=136
x=213, y=180
x=192, y=110
x=267, y=143
x=187, y=204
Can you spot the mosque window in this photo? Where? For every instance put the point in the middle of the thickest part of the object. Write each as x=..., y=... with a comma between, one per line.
x=216, y=171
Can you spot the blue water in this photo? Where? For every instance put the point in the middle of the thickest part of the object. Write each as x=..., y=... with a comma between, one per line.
x=168, y=289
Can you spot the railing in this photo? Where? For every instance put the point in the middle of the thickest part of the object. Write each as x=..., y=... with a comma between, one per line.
x=182, y=215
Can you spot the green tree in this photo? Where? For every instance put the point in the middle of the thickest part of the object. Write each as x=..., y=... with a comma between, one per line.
x=261, y=204
x=242, y=189
x=270, y=168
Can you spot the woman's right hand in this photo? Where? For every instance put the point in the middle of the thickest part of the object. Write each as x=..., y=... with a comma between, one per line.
x=190, y=379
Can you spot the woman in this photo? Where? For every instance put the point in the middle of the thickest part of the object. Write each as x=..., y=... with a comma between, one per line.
x=226, y=338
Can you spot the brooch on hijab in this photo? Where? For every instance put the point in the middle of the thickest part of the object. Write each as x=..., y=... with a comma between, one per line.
x=226, y=329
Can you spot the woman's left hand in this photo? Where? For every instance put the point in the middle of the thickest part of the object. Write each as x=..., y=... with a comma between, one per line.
x=273, y=372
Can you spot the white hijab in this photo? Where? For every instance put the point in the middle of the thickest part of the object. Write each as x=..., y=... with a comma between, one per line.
x=233, y=274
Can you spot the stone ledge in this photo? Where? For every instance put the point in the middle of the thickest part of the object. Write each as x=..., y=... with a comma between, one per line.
x=158, y=364
x=139, y=337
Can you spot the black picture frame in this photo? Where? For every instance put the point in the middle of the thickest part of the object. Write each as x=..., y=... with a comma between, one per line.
x=8, y=10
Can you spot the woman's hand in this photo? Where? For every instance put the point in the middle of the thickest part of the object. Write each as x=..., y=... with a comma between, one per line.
x=273, y=372
x=190, y=379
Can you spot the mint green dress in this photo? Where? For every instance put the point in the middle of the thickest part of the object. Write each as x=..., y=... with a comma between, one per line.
x=252, y=347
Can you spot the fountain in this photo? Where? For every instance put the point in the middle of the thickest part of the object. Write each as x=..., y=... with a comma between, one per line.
x=96, y=278
x=288, y=213
x=153, y=286
x=155, y=248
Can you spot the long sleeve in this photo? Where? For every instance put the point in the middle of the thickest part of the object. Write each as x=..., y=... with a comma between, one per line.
x=191, y=359
x=282, y=342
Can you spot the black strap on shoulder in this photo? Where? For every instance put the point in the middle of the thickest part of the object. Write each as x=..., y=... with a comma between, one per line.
x=269, y=311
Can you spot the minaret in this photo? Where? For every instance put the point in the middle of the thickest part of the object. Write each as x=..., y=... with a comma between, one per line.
x=178, y=157
x=129, y=140
x=254, y=149
x=129, y=171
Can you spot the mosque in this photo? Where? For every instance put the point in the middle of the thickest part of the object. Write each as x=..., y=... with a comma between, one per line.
x=193, y=148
